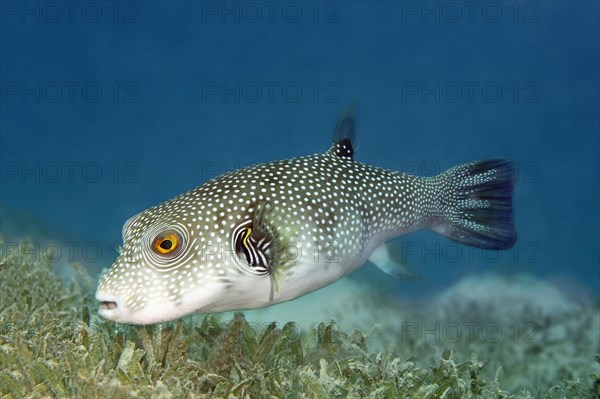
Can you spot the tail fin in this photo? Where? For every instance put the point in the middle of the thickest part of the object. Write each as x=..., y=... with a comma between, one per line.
x=477, y=204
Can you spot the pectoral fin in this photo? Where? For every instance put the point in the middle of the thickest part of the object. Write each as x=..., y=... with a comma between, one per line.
x=389, y=260
x=267, y=224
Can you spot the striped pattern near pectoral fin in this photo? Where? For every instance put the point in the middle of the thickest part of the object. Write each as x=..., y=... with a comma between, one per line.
x=254, y=247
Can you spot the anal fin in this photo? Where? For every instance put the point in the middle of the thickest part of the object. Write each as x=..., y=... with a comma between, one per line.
x=389, y=260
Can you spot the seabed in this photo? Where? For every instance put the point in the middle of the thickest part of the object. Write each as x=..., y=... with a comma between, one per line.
x=486, y=337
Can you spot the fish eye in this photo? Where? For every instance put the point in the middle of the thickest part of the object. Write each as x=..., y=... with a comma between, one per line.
x=167, y=243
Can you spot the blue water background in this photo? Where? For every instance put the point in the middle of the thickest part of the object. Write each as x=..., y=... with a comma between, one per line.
x=179, y=104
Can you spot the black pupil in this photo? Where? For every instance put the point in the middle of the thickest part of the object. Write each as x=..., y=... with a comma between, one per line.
x=166, y=244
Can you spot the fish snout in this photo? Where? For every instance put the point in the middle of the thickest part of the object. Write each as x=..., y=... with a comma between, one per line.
x=118, y=308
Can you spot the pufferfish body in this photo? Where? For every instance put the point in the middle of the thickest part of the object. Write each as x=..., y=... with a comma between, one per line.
x=272, y=232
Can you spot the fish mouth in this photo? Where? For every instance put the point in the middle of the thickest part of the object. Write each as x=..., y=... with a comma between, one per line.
x=108, y=305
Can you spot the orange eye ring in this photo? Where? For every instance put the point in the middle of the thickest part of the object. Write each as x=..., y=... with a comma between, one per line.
x=164, y=244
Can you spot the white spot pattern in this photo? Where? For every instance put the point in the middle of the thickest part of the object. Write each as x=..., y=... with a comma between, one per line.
x=322, y=200
x=325, y=204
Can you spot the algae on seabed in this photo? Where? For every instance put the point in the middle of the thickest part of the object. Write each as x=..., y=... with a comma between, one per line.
x=52, y=344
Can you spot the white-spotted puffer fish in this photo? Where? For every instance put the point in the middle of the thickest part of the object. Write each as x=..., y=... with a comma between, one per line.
x=272, y=232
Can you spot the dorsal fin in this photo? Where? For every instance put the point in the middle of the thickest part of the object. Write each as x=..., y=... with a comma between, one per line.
x=344, y=137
